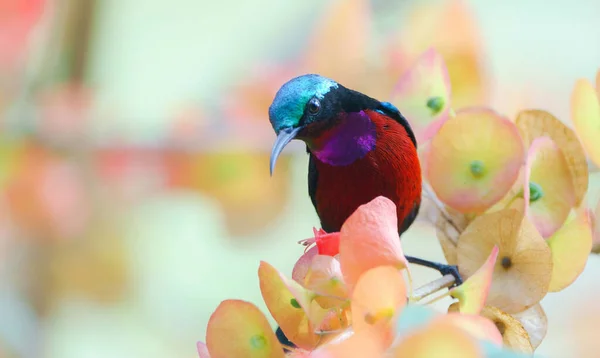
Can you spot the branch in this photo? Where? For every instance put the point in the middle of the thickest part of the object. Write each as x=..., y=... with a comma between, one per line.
x=433, y=287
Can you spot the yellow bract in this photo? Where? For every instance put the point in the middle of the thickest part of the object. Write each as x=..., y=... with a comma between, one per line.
x=585, y=115
x=377, y=299
x=478, y=326
x=423, y=93
x=473, y=293
x=570, y=247
x=450, y=28
x=596, y=226
x=537, y=123
x=324, y=277
x=549, y=187
x=290, y=310
x=474, y=160
x=441, y=338
x=239, y=329
x=523, y=269
x=342, y=61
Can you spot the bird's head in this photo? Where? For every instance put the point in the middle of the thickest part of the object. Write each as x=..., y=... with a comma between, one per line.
x=298, y=104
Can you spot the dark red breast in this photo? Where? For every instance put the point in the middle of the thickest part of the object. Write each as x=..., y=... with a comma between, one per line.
x=392, y=169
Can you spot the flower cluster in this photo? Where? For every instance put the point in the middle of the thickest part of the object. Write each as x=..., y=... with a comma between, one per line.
x=516, y=184
x=509, y=206
x=351, y=296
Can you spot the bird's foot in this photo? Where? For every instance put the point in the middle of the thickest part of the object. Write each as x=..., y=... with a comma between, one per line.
x=441, y=268
x=283, y=340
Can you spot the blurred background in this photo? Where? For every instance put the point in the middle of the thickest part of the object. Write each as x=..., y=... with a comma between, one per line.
x=134, y=185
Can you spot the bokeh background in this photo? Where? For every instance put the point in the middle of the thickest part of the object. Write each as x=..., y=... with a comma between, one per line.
x=134, y=185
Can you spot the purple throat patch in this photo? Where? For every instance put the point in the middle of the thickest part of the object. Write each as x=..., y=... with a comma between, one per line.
x=350, y=139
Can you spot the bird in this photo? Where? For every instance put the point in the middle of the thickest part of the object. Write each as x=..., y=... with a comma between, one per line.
x=359, y=148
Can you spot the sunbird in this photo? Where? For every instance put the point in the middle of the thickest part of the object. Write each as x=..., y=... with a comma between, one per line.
x=359, y=148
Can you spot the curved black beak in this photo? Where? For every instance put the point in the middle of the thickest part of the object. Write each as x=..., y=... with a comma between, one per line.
x=283, y=138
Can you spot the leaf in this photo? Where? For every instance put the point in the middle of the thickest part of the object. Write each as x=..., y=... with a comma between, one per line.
x=523, y=269
x=585, y=115
x=537, y=123
x=473, y=293
x=369, y=238
x=423, y=93
x=239, y=329
x=474, y=160
x=570, y=247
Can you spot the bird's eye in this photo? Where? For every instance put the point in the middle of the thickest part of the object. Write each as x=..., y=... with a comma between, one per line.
x=314, y=106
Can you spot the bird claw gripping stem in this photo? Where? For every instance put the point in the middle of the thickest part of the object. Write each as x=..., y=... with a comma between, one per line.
x=441, y=268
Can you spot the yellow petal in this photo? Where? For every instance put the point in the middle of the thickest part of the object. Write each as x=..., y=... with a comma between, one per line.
x=473, y=293
x=514, y=336
x=537, y=123
x=523, y=269
x=585, y=115
x=535, y=323
x=239, y=329
x=570, y=248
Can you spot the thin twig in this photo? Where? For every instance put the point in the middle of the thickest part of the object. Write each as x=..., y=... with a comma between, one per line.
x=438, y=298
x=433, y=287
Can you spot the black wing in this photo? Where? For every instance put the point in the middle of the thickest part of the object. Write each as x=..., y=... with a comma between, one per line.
x=391, y=111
